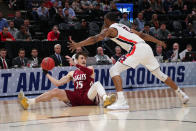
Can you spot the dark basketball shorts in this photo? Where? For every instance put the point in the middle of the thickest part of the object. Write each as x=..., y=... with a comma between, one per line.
x=79, y=99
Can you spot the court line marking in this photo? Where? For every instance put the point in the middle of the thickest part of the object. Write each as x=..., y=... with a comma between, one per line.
x=115, y=111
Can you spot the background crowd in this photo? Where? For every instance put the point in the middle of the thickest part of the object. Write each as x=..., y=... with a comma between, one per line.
x=57, y=20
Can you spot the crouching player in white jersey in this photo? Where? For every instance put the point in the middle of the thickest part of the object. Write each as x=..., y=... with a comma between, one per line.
x=138, y=52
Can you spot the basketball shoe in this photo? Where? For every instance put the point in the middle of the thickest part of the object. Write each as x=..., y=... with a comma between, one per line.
x=109, y=100
x=183, y=97
x=120, y=104
x=23, y=100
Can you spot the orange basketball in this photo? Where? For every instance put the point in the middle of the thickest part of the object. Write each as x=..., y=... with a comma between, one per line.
x=48, y=63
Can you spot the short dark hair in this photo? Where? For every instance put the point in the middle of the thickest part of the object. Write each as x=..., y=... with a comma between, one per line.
x=21, y=49
x=34, y=49
x=81, y=53
x=111, y=16
x=3, y=49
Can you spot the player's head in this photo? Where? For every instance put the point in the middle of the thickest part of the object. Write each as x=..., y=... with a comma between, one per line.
x=110, y=18
x=81, y=58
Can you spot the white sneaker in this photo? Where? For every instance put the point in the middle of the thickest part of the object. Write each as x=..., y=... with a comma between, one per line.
x=183, y=97
x=119, y=105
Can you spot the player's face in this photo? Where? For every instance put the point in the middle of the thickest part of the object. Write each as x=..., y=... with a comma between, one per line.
x=82, y=60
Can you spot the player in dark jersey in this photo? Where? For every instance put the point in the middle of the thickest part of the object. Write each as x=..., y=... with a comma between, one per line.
x=85, y=90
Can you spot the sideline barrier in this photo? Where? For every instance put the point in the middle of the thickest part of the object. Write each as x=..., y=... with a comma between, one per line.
x=32, y=80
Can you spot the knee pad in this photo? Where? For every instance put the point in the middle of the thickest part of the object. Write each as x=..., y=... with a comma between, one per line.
x=159, y=74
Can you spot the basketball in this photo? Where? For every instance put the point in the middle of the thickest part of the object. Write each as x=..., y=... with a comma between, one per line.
x=48, y=63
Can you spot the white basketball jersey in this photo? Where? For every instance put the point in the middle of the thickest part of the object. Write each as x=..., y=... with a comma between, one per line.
x=125, y=38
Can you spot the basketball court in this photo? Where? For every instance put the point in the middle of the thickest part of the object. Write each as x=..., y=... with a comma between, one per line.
x=150, y=110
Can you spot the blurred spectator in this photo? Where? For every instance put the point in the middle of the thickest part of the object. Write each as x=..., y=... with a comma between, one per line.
x=54, y=34
x=117, y=55
x=97, y=14
x=59, y=17
x=139, y=21
x=189, y=32
x=48, y=4
x=12, y=29
x=42, y=12
x=174, y=53
x=18, y=20
x=159, y=7
x=125, y=20
x=21, y=60
x=167, y=5
x=3, y=21
x=53, y=10
x=67, y=18
x=145, y=5
x=154, y=18
x=147, y=30
x=78, y=49
x=35, y=61
x=70, y=11
x=76, y=6
x=114, y=9
x=177, y=6
x=98, y=2
x=4, y=62
x=83, y=28
x=154, y=29
x=183, y=53
x=58, y=58
x=106, y=5
x=159, y=54
x=5, y=35
x=23, y=35
x=101, y=58
x=162, y=32
x=86, y=4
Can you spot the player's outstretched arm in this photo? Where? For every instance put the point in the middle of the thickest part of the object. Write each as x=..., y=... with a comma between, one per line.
x=150, y=38
x=91, y=40
x=62, y=81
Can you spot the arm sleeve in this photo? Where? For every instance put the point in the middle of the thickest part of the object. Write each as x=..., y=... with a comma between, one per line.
x=11, y=37
x=85, y=69
x=49, y=37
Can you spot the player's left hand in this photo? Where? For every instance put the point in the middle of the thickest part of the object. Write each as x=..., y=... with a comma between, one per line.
x=72, y=45
x=70, y=60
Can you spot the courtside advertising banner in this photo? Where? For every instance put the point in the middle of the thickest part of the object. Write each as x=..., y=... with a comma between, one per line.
x=33, y=81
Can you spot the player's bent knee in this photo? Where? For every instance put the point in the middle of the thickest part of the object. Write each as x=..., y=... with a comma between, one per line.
x=114, y=71
x=160, y=75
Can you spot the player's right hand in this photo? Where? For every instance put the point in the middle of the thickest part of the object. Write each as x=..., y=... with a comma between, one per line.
x=72, y=45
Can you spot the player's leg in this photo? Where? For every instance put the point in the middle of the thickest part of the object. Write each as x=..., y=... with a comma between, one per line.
x=97, y=88
x=152, y=64
x=168, y=81
x=47, y=96
x=115, y=71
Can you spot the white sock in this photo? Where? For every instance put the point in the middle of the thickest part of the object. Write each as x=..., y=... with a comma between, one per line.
x=104, y=97
x=31, y=101
x=120, y=95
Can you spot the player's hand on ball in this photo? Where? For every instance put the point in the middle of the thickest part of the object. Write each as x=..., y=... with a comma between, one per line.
x=72, y=45
x=70, y=60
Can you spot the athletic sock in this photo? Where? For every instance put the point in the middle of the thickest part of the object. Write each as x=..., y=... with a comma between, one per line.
x=104, y=97
x=31, y=101
x=120, y=95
